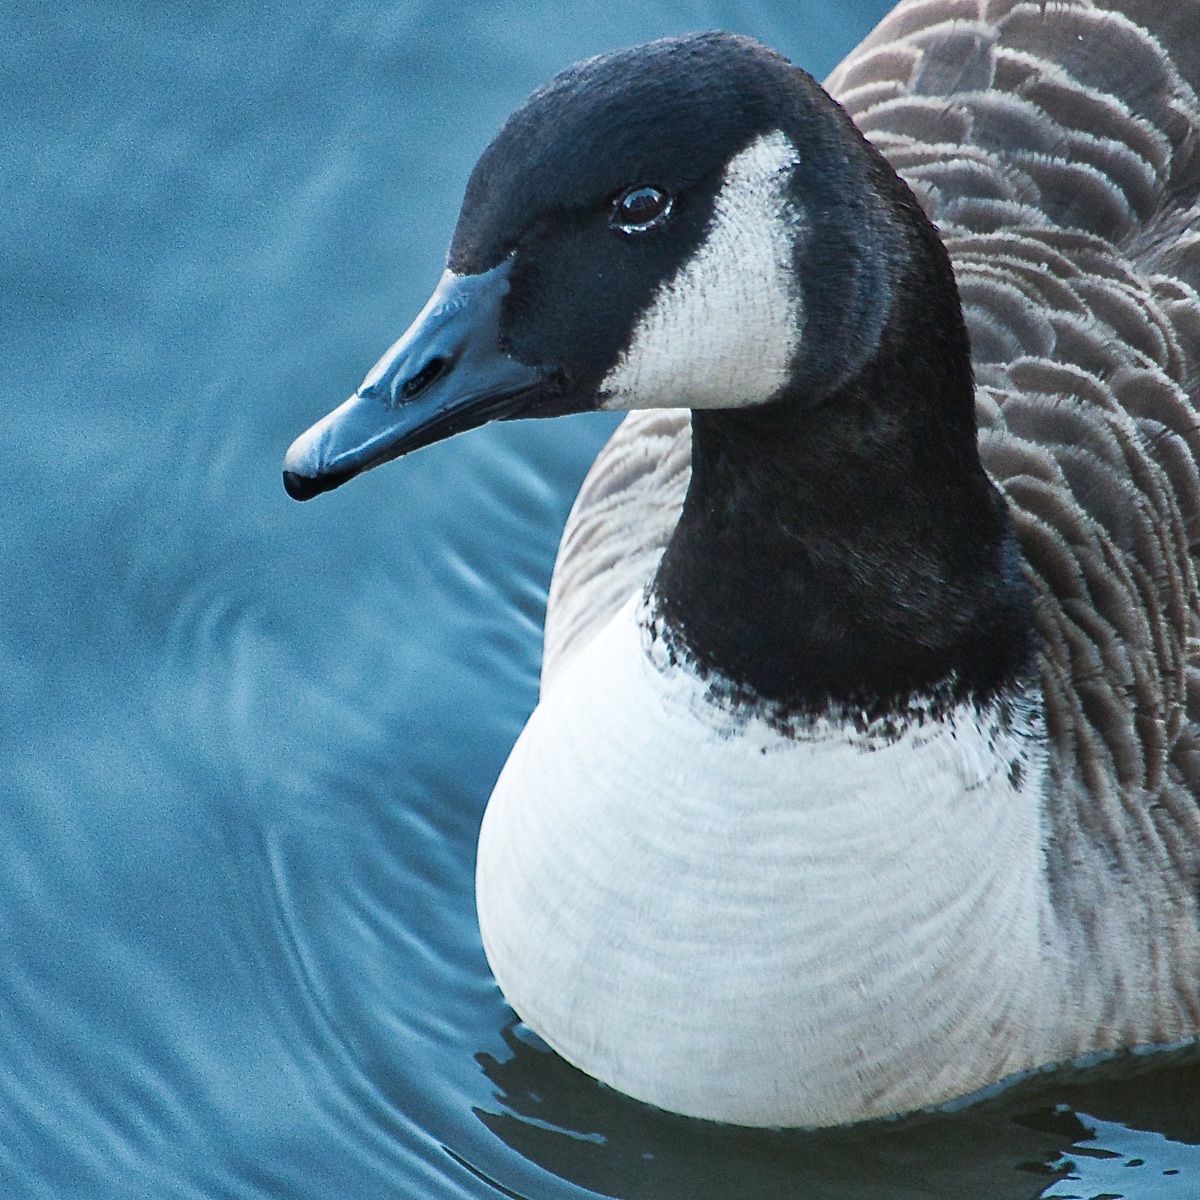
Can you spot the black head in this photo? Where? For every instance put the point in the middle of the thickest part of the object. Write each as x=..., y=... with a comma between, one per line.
x=672, y=115
x=695, y=223
x=692, y=222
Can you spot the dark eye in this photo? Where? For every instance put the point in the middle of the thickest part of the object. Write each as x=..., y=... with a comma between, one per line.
x=640, y=209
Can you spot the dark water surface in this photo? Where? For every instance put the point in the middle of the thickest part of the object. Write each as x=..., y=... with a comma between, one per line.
x=247, y=743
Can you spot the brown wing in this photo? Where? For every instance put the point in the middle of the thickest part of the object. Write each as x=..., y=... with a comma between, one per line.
x=1056, y=147
x=618, y=528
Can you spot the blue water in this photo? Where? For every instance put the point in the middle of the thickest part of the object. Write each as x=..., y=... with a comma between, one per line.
x=247, y=743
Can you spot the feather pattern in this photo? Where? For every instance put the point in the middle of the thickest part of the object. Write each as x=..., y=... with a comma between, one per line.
x=1055, y=146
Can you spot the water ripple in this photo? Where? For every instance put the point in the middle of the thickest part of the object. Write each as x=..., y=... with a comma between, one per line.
x=247, y=743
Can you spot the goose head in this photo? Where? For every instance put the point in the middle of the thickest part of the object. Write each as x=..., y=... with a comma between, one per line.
x=695, y=223
x=691, y=223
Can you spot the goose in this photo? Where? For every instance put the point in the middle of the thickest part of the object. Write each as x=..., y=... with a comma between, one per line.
x=865, y=771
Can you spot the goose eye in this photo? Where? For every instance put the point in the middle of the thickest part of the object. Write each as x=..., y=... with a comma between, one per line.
x=640, y=209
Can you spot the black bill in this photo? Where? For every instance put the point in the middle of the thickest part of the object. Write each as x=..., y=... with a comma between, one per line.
x=446, y=374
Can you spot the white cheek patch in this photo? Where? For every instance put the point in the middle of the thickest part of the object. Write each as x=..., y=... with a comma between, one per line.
x=723, y=332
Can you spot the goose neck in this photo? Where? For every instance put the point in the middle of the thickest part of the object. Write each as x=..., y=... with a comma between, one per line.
x=852, y=549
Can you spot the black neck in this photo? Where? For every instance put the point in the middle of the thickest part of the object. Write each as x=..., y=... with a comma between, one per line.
x=853, y=551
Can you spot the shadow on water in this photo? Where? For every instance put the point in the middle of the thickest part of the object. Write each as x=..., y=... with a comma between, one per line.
x=1127, y=1128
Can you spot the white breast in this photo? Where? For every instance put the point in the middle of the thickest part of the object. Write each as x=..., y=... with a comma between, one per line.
x=750, y=927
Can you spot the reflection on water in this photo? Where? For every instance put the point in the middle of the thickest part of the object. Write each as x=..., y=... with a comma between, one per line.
x=1118, y=1130
x=247, y=743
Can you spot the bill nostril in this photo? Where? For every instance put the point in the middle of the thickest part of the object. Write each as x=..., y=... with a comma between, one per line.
x=423, y=378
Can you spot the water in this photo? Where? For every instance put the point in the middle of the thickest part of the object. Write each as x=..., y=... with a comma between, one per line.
x=247, y=743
